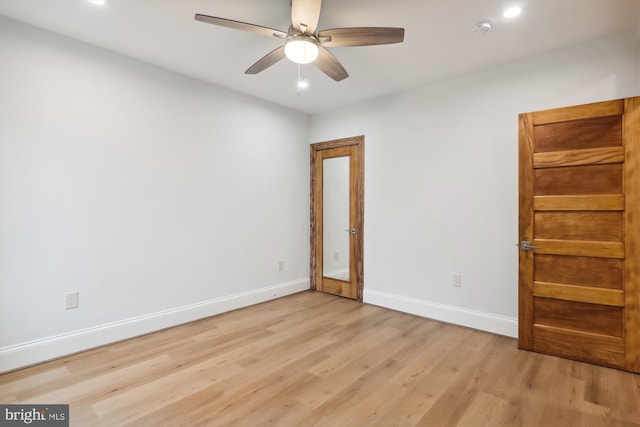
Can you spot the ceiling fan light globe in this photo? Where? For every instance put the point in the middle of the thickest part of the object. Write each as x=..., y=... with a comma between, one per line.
x=301, y=50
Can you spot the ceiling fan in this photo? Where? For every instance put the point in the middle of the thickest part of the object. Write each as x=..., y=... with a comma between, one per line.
x=303, y=44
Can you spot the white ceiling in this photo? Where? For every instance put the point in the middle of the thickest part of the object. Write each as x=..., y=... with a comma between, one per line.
x=438, y=39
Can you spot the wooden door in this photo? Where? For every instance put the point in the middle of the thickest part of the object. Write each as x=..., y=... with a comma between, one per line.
x=337, y=172
x=579, y=284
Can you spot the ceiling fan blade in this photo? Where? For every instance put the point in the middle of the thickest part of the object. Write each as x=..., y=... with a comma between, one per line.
x=361, y=36
x=305, y=14
x=267, y=61
x=237, y=25
x=328, y=64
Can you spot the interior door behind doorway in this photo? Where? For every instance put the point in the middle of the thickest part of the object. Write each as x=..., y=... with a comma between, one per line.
x=337, y=217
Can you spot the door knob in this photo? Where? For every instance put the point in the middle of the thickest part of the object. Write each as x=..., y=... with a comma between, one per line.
x=527, y=246
x=352, y=231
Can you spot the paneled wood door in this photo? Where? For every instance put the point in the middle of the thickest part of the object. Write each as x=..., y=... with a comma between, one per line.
x=579, y=227
x=344, y=157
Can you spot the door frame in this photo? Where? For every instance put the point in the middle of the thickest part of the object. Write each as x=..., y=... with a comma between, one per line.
x=316, y=216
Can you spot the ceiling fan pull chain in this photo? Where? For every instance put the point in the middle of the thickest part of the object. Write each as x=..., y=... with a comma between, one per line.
x=302, y=79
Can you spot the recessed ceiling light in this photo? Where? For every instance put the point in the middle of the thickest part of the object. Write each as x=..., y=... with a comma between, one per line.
x=100, y=2
x=512, y=12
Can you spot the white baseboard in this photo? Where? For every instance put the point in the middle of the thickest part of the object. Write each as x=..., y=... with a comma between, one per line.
x=488, y=322
x=29, y=353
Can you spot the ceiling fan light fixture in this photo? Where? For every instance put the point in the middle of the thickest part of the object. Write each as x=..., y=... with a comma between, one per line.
x=301, y=49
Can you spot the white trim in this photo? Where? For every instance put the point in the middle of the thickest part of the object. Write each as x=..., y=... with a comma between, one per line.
x=488, y=322
x=29, y=353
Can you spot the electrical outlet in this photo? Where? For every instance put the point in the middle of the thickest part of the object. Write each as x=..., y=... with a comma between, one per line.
x=456, y=280
x=280, y=265
x=71, y=300
x=336, y=256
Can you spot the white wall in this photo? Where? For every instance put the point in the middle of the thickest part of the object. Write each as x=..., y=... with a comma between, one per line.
x=441, y=179
x=159, y=198
x=162, y=199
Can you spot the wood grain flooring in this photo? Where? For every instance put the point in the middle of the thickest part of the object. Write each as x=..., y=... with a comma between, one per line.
x=312, y=359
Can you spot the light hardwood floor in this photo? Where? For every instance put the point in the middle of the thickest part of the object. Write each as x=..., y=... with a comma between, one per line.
x=312, y=359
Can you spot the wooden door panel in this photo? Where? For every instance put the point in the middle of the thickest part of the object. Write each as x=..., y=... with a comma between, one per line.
x=578, y=293
x=577, y=180
x=584, y=271
x=605, y=202
x=579, y=290
x=579, y=316
x=337, y=287
x=593, y=225
x=579, y=134
x=583, y=346
x=580, y=248
x=579, y=112
x=592, y=156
